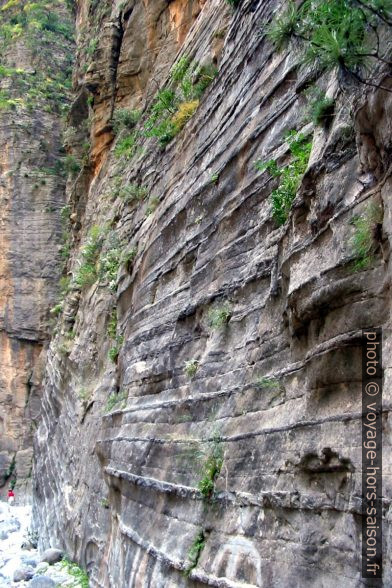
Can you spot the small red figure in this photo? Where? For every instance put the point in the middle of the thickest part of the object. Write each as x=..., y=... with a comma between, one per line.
x=11, y=496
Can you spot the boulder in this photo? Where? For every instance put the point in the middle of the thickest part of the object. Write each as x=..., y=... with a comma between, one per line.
x=61, y=579
x=23, y=574
x=42, y=567
x=42, y=582
x=29, y=561
x=52, y=556
x=27, y=545
x=8, y=526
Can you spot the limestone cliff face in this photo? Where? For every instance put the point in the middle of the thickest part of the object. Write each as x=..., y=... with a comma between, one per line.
x=203, y=388
x=32, y=192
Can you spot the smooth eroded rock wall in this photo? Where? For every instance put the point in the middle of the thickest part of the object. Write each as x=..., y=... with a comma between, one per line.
x=274, y=391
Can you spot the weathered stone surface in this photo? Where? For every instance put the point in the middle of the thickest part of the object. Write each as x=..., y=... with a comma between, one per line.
x=23, y=574
x=7, y=526
x=30, y=561
x=42, y=582
x=42, y=567
x=32, y=193
x=119, y=490
x=52, y=556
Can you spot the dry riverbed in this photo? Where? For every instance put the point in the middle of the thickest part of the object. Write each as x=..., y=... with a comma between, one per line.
x=21, y=564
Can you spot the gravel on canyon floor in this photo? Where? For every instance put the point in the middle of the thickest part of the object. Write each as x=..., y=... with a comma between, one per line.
x=21, y=564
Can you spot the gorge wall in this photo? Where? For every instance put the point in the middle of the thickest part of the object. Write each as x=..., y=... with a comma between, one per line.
x=34, y=70
x=200, y=404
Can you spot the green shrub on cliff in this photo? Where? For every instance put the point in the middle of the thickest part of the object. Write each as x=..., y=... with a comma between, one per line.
x=338, y=34
x=321, y=109
x=114, y=351
x=363, y=241
x=72, y=165
x=132, y=192
x=191, y=367
x=74, y=570
x=34, y=19
x=128, y=258
x=195, y=551
x=123, y=118
x=211, y=468
x=109, y=261
x=264, y=383
x=152, y=205
x=176, y=104
x=219, y=317
x=112, y=324
x=126, y=147
x=86, y=274
x=290, y=175
x=117, y=401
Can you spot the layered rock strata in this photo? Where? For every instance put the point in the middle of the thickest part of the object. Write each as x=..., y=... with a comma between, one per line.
x=33, y=95
x=223, y=342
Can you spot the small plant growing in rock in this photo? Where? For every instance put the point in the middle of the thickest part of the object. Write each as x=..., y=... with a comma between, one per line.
x=105, y=503
x=191, y=367
x=219, y=317
x=126, y=147
x=112, y=324
x=335, y=35
x=83, y=395
x=362, y=242
x=65, y=346
x=123, y=118
x=133, y=192
x=109, y=262
x=177, y=103
x=204, y=75
x=92, y=47
x=152, y=205
x=211, y=469
x=65, y=213
x=129, y=257
x=214, y=178
x=290, y=175
x=57, y=310
x=72, y=165
x=64, y=284
x=114, y=351
x=116, y=401
x=268, y=383
x=74, y=570
x=86, y=274
x=195, y=551
x=320, y=108
x=184, y=112
x=118, y=340
x=158, y=124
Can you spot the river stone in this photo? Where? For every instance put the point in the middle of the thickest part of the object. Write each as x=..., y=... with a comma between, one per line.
x=52, y=556
x=29, y=561
x=23, y=574
x=42, y=582
x=59, y=578
x=8, y=526
x=42, y=567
